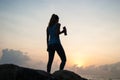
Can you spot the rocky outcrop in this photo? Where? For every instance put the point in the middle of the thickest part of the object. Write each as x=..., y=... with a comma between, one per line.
x=13, y=72
x=67, y=75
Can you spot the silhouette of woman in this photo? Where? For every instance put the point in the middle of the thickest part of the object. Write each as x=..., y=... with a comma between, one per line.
x=53, y=42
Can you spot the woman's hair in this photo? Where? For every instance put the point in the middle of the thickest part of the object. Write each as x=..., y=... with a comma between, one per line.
x=54, y=19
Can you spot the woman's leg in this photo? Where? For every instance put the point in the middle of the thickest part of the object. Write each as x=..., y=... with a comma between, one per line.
x=51, y=57
x=62, y=55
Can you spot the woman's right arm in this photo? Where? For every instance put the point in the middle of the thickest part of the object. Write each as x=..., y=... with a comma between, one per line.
x=47, y=33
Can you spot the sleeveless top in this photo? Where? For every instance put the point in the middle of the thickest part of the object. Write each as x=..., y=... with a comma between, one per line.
x=54, y=38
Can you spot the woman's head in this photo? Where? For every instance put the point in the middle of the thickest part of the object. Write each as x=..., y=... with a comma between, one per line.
x=54, y=19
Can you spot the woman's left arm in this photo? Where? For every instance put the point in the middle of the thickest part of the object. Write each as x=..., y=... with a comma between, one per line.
x=58, y=29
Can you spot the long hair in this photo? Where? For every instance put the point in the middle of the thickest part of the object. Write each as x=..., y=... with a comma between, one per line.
x=54, y=19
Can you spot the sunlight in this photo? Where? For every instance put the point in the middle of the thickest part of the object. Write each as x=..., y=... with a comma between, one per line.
x=79, y=63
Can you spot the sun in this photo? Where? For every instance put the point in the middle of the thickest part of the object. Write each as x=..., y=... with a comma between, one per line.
x=79, y=63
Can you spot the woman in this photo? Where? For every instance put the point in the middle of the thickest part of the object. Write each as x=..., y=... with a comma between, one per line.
x=53, y=42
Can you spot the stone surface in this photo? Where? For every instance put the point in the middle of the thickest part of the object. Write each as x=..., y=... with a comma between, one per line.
x=13, y=72
x=67, y=75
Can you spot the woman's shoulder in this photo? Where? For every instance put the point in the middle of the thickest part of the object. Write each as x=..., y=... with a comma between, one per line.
x=58, y=24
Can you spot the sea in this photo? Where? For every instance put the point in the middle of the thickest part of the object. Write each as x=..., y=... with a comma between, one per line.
x=94, y=77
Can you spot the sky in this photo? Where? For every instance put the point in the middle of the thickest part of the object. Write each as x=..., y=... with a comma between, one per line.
x=92, y=25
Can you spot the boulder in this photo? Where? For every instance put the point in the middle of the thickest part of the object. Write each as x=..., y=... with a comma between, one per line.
x=13, y=72
x=67, y=75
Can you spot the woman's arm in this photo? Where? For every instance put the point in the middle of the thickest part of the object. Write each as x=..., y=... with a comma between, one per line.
x=47, y=34
x=58, y=29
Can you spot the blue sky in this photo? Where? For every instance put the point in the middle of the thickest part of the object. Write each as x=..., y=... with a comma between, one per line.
x=93, y=28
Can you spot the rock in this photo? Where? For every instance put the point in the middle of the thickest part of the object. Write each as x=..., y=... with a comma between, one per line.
x=13, y=72
x=67, y=75
x=8, y=72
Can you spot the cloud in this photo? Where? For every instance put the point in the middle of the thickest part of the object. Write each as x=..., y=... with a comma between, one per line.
x=11, y=56
x=103, y=71
x=43, y=65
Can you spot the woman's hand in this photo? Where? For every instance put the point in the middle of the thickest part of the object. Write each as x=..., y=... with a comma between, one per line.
x=65, y=30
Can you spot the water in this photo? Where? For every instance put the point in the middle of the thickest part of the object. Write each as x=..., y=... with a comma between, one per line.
x=96, y=77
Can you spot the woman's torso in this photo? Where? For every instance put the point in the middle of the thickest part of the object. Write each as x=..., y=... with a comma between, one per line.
x=54, y=38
